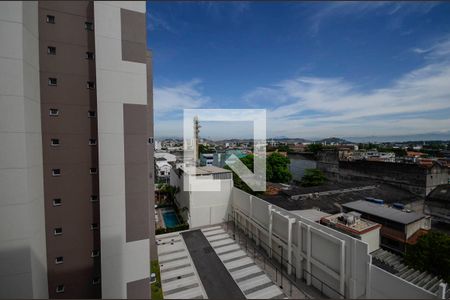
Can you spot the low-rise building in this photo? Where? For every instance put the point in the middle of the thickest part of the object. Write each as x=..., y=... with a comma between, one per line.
x=169, y=157
x=204, y=194
x=399, y=228
x=352, y=224
x=206, y=159
x=163, y=168
x=437, y=204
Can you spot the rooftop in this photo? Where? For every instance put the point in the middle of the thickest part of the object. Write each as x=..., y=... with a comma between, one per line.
x=311, y=214
x=440, y=194
x=384, y=212
x=339, y=193
x=359, y=226
x=208, y=170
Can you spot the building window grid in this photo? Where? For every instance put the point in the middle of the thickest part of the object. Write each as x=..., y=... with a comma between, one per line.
x=89, y=26
x=53, y=112
x=60, y=288
x=90, y=55
x=51, y=50
x=57, y=231
x=50, y=19
x=57, y=202
x=95, y=253
x=59, y=260
x=52, y=81
x=55, y=142
x=96, y=281
x=90, y=85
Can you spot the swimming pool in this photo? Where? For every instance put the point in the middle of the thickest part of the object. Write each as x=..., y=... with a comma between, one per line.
x=170, y=219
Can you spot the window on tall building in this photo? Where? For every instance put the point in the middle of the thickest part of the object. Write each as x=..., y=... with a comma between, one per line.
x=92, y=142
x=88, y=26
x=52, y=81
x=57, y=231
x=94, y=198
x=57, y=202
x=95, y=253
x=92, y=114
x=51, y=50
x=55, y=142
x=59, y=260
x=90, y=55
x=60, y=288
x=56, y=172
x=50, y=19
x=53, y=112
x=93, y=171
x=90, y=85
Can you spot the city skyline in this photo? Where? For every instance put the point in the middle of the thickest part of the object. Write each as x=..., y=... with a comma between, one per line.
x=324, y=69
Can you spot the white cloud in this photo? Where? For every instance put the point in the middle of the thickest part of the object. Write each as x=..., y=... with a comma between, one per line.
x=398, y=10
x=172, y=99
x=311, y=106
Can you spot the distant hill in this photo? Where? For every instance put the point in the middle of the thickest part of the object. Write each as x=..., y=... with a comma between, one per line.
x=334, y=140
x=436, y=136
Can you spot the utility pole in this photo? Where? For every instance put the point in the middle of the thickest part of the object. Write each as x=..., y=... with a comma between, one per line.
x=196, y=140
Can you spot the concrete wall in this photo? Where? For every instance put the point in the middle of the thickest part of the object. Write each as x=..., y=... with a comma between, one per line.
x=119, y=82
x=372, y=238
x=411, y=177
x=338, y=260
x=23, y=267
x=436, y=176
x=387, y=286
x=203, y=207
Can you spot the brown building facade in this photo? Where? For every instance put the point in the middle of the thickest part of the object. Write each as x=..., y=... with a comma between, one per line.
x=82, y=223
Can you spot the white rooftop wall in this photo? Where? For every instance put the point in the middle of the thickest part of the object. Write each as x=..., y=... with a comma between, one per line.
x=338, y=260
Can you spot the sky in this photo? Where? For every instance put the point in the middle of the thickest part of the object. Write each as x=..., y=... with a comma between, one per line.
x=320, y=69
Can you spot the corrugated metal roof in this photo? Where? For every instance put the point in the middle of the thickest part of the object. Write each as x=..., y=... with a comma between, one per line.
x=385, y=212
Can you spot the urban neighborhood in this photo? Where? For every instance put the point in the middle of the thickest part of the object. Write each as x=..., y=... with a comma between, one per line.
x=224, y=150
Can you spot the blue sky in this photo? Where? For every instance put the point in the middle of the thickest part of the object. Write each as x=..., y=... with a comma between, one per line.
x=319, y=69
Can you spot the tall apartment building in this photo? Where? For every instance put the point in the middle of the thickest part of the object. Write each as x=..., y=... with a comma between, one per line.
x=76, y=175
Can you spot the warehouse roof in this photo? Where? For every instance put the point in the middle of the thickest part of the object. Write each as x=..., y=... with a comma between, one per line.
x=385, y=212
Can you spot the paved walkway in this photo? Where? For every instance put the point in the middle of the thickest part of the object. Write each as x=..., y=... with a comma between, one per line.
x=216, y=280
x=208, y=263
x=179, y=278
x=250, y=278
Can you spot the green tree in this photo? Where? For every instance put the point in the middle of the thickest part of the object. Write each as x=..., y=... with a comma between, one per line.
x=284, y=148
x=205, y=149
x=238, y=182
x=313, y=177
x=170, y=191
x=431, y=253
x=314, y=148
x=277, y=168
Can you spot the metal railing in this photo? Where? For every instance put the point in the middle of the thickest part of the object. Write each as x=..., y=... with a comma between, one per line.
x=254, y=245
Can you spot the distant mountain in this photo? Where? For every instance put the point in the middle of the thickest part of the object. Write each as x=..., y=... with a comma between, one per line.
x=433, y=136
x=334, y=140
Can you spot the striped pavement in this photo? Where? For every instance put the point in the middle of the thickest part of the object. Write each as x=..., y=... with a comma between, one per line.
x=252, y=281
x=179, y=279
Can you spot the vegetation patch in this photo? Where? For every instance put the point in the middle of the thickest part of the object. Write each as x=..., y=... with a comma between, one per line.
x=313, y=177
x=155, y=287
x=431, y=253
